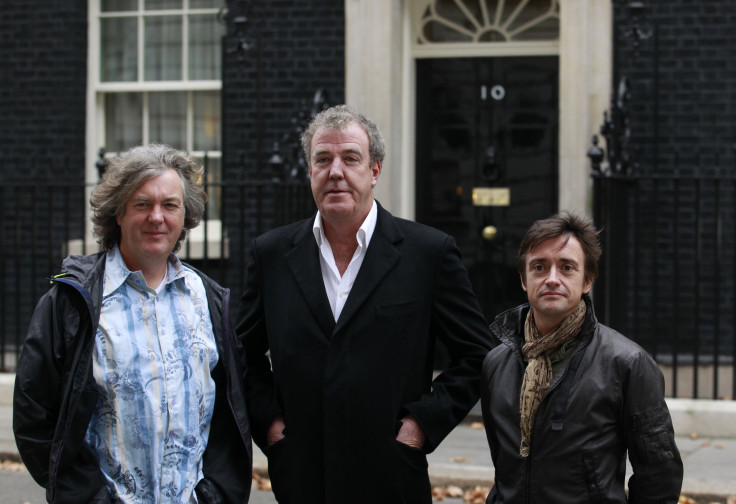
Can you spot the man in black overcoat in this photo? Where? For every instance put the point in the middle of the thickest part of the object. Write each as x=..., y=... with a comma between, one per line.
x=350, y=304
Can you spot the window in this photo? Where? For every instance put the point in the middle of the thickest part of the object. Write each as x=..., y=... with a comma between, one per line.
x=155, y=76
x=489, y=21
x=457, y=28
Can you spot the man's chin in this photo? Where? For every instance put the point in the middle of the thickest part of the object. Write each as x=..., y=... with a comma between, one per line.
x=159, y=251
x=337, y=212
x=551, y=305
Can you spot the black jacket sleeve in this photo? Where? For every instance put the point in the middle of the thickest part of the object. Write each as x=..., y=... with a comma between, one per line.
x=38, y=382
x=457, y=321
x=43, y=386
x=263, y=406
x=655, y=459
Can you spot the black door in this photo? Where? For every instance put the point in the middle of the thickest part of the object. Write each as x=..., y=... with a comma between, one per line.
x=487, y=161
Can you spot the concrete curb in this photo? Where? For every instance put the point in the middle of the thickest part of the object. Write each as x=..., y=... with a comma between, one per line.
x=704, y=417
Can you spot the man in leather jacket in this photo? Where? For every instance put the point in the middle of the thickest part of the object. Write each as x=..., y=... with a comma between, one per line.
x=564, y=398
x=128, y=384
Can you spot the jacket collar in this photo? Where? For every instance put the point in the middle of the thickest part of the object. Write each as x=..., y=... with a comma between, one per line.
x=303, y=260
x=508, y=327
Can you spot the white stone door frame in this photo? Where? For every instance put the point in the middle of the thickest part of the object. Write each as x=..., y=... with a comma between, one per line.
x=380, y=82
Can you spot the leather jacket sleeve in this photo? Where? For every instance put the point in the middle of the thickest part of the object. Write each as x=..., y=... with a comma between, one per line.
x=655, y=459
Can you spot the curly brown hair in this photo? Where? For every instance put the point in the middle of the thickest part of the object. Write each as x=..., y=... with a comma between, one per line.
x=126, y=173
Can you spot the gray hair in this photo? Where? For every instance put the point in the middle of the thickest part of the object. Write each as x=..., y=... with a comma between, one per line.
x=126, y=173
x=338, y=118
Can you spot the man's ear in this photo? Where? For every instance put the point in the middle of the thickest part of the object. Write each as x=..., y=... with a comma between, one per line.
x=587, y=285
x=523, y=285
x=376, y=170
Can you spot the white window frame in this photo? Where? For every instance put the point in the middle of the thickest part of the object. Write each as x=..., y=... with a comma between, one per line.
x=95, y=123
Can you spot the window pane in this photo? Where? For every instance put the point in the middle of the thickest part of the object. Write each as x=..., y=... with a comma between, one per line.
x=162, y=4
x=162, y=48
x=123, y=121
x=118, y=5
x=167, y=119
x=206, y=121
x=119, y=51
x=204, y=47
x=213, y=185
x=205, y=4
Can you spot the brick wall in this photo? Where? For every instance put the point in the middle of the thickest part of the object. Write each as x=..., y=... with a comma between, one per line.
x=43, y=53
x=296, y=47
x=43, y=49
x=683, y=83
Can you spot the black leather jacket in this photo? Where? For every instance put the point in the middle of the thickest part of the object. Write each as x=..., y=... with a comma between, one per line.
x=55, y=394
x=607, y=398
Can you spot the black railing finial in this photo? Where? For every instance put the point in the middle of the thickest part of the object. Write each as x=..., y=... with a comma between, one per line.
x=596, y=155
x=288, y=153
x=235, y=16
x=101, y=163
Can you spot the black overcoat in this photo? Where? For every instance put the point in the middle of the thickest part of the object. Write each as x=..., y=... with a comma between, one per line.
x=342, y=386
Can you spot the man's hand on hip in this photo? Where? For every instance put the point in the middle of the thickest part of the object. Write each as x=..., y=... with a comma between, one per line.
x=275, y=431
x=410, y=433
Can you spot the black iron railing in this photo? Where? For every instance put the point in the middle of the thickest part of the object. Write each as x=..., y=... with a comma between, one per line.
x=668, y=272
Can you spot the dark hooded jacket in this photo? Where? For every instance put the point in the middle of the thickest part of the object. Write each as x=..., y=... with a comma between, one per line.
x=606, y=398
x=55, y=394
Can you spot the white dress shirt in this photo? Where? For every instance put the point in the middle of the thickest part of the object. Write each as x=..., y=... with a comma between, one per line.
x=338, y=287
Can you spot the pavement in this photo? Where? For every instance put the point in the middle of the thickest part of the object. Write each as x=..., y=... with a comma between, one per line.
x=705, y=433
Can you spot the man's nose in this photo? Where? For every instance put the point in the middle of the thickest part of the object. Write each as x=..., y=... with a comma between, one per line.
x=336, y=169
x=552, y=277
x=156, y=214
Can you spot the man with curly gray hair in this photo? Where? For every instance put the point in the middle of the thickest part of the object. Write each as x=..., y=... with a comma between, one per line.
x=121, y=391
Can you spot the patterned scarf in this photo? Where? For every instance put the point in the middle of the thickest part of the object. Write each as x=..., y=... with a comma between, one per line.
x=538, y=374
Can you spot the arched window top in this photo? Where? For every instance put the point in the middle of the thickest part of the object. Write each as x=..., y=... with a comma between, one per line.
x=487, y=21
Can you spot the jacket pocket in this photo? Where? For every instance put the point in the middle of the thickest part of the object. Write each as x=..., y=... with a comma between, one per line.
x=651, y=436
x=396, y=309
x=410, y=477
x=279, y=469
x=592, y=478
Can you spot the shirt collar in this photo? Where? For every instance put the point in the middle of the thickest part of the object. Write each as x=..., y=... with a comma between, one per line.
x=364, y=234
x=117, y=273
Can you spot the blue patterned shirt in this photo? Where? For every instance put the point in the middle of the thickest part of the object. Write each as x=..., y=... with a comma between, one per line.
x=154, y=353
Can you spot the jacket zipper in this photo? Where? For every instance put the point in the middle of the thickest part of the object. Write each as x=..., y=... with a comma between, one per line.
x=528, y=459
x=226, y=347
